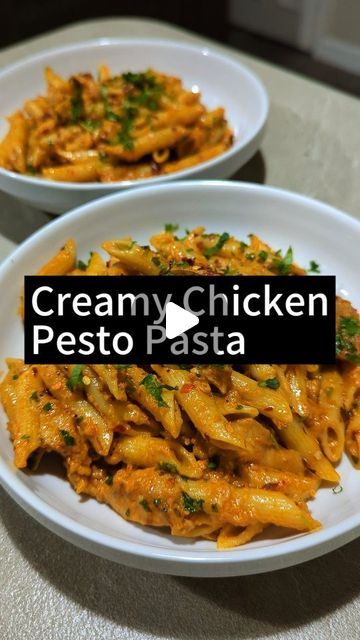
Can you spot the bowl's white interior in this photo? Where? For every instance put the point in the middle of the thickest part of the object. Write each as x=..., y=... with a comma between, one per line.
x=314, y=230
x=221, y=81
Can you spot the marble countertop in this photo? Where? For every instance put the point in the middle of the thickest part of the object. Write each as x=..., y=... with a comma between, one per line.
x=51, y=590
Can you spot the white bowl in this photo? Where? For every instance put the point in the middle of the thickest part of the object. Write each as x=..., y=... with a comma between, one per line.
x=316, y=231
x=221, y=81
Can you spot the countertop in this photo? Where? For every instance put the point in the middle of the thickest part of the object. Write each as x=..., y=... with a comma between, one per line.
x=50, y=590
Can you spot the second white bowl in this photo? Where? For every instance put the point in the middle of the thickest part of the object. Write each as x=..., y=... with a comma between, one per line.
x=221, y=81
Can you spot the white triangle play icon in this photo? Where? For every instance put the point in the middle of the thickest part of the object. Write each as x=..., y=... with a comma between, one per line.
x=178, y=320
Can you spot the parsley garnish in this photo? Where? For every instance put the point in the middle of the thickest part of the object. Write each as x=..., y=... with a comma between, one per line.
x=157, y=262
x=25, y=436
x=127, y=123
x=126, y=119
x=314, y=267
x=168, y=467
x=160, y=504
x=34, y=396
x=283, y=265
x=349, y=327
x=90, y=125
x=153, y=386
x=84, y=265
x=109, y=479
x=213, y=462
x=144, y=503
x=210, y=251
x=192, y=505
x=171, y=228
x=263, y=256
x=47, y=407
x=148, y=91
x=77, y=104
x=75, y=377
x=68, y=439
x=272, y=383
x=228, y=271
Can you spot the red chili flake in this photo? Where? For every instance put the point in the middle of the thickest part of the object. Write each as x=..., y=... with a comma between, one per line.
x=186, y=388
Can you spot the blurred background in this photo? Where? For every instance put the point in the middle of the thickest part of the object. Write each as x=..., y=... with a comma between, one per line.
x=318, y=38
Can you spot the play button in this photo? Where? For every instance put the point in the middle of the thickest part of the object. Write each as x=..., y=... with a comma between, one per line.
x=178, y=320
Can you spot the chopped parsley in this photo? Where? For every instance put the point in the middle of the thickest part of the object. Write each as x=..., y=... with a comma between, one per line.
x=147, y=90
x=81, y=265
x=192, y=505
x=350, y=325
x=126, y=119
x=109, y=479
x=34, y=396
x=84, y=265
x=210, y=251
x=160, y=505
x=348, y=328
x=263, y=256
x=75, y=377
x=144, y=92
x=250, y=256
x=67, y=437
x=15, y=377
x=213, y=462
x=168, y=467
x=145, y=505
x=157, y=262
x=271, y=383
x=228, y=271
x=314, y=267
x=47, y=407
x=76, y=104
x=171, y=228
x=154, y=388
x=124, y=136
x=283, y=265
x=90, y=125
x=25, y=436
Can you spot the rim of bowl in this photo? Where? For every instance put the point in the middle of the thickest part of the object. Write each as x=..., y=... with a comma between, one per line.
x=289, y=549
x=239, y=143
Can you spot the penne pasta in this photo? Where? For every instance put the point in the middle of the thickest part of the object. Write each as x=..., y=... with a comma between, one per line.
x=130, y=126
x=213, y=451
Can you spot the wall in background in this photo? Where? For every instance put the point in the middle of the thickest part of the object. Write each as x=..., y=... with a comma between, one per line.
x=328, y=29
x=22, y=19
x=344, y=20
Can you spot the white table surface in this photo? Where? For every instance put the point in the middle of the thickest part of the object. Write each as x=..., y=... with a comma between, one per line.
x=50, y=590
